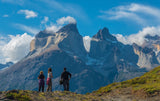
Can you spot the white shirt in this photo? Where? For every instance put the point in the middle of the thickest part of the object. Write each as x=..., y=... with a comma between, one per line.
x=50, y=75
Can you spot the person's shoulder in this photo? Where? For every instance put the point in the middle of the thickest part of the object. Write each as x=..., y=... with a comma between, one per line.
x=68, y=72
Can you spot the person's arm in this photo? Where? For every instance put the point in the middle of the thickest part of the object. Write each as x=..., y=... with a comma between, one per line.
x=38, y=77
x=51, y=75
x=70, y=75
x=61, y=76
x=43, y=77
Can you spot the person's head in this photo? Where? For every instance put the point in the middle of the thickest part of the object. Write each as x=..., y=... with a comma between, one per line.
x=64, y=69
x=49, y=70
x=41, y=72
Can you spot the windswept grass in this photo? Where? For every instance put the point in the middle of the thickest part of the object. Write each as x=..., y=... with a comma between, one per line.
x=18, y=95
x=144, y=86
x=149, y=83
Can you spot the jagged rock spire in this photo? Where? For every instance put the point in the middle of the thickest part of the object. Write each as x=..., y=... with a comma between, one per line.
x=103, y=34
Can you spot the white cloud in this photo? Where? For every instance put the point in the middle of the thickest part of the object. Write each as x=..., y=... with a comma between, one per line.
x=138, y=13
x=52, y=28
x=86, y=41
x=45, y=20
x=28, y=13
x=3, y=41
x=65, y=20
x=144, y=9
x=18, y=46
x=15, y=49
x=139, y=38
x=5, y=16
x=27, y=28
x=68, y=8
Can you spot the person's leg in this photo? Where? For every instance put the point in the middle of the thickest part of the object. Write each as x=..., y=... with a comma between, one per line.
x=51, y=86
x=39, y=87
x=67, y=85
x=42, y=88
x=64, y=85
x=48, y=88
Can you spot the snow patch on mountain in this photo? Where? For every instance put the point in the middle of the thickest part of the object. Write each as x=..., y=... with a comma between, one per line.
x=86, y=41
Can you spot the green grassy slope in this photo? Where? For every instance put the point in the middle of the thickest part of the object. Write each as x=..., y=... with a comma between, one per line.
x=149, y=83
x=137, y=89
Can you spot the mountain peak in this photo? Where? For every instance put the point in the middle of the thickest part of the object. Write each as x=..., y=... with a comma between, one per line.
x=103, y=34
x=69, y=27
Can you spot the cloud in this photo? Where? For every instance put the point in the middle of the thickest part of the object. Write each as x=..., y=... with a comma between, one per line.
x=45, y=20
x=27, y=28
x=16, y=48
x=86, y=41
x=28, y=13
x=139, y=38
x=138, y=13
x=52, y=28
x=69, y=8
x=3, y=41
x=5, y=16
x=65, y=20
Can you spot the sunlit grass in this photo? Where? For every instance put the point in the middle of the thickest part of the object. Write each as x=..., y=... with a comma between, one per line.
x=149, y=82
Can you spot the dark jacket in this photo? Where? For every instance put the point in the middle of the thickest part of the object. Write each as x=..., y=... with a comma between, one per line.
x=65, y=75
x=41, y=76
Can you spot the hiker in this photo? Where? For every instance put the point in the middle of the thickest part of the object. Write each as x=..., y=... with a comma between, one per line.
x=49, y=80
x=65, y=79
x=41, y=78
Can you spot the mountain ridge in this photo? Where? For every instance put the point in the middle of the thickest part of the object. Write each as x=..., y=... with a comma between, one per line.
x=143, y=88
x=107, y=61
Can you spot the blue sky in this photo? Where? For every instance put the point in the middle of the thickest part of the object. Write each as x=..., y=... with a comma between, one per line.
x=20, y=20
x=86, y=12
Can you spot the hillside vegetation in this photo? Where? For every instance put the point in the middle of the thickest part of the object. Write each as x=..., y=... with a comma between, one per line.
x=148, y=85
x=144, y=88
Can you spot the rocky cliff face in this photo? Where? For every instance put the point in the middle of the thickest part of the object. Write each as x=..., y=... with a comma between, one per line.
x=67, y=39
x=147, y=57
x=56, y=50
x=107, y=61
x=114, y=60
x=3, y=66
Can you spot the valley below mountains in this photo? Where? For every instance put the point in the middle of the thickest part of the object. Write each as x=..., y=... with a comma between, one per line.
x=107, y=61
x=144, y=88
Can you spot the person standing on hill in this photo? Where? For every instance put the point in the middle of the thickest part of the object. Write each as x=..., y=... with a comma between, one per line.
x=49, y=80
x=65, y=78
x=41, y=78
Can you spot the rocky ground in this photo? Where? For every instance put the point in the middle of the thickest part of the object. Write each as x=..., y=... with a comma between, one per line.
x=144, y=88
x=115, y=95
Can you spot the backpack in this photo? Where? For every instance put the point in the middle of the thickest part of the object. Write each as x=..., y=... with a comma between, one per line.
x=61, y=82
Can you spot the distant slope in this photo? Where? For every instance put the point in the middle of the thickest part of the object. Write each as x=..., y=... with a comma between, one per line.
x=3, y=66
x=144, y=88
x=148, y=85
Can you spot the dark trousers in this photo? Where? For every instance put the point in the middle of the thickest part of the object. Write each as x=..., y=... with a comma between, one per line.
x=41, y=85
x=66, y=85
